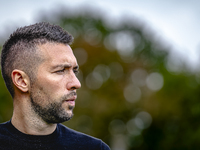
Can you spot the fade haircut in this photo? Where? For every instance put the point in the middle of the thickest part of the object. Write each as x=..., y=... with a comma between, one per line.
x=20, y=50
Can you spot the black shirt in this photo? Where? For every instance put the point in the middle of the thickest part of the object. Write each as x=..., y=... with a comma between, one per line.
x=62, y=138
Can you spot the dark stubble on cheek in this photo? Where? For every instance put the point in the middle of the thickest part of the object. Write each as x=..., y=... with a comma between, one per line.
x=53, y=112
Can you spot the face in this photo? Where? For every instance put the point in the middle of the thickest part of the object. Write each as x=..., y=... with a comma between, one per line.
x=53, y=94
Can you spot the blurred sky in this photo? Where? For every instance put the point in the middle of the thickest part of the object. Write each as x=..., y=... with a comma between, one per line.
x=176, y=21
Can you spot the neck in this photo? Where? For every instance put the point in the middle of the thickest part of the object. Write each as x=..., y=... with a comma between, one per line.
x=26, y=121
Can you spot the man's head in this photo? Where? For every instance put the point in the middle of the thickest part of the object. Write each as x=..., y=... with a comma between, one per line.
x=20, y=50
x=38, y=62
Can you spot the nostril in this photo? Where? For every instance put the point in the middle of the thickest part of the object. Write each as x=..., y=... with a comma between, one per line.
x=73, y=88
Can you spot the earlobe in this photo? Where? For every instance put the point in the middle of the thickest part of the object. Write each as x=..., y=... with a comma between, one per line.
x=20, y=80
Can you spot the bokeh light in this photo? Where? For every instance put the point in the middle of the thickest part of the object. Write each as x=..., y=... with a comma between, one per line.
x=155, y=81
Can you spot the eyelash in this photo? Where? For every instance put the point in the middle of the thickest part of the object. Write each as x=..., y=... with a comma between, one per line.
x=63, y=70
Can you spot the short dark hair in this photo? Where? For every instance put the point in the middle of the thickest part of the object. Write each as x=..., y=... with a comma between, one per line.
x=20, y=50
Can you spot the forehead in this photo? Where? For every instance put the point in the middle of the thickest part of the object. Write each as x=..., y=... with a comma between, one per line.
x=54, y=54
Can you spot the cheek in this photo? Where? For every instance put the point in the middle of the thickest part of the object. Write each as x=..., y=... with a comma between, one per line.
x=53, y=85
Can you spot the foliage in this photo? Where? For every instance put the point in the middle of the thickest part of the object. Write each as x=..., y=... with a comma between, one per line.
x=129, y=98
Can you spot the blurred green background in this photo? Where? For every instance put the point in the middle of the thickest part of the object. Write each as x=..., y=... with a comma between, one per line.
x=132, y=95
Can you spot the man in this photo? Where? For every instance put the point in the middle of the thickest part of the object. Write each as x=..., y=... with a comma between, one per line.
x=39, y=69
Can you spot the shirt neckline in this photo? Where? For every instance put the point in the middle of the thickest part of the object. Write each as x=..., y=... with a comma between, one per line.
x=19, y=135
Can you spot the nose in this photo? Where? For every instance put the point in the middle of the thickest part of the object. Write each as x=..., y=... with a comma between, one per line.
x=73, y=83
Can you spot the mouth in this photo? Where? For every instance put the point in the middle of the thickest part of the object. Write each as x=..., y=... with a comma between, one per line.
x=71, y=101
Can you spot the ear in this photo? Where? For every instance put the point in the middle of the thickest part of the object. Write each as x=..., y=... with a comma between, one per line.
x=20, y=80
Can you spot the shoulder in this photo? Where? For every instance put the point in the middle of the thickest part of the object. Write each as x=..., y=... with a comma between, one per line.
x=5, y=134
x=67, y=131
x=81, y=138
x=4, y=124
x=4, y=127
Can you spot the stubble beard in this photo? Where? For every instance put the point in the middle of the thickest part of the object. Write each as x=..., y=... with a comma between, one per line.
x=53, y=112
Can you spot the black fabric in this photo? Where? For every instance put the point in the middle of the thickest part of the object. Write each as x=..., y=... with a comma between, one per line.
x=62, y=138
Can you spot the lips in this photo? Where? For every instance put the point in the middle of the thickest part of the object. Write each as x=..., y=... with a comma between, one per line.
x=71, y=100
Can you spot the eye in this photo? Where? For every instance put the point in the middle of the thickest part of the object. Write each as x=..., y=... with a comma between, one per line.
x=60, y=71
x=76, y=72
